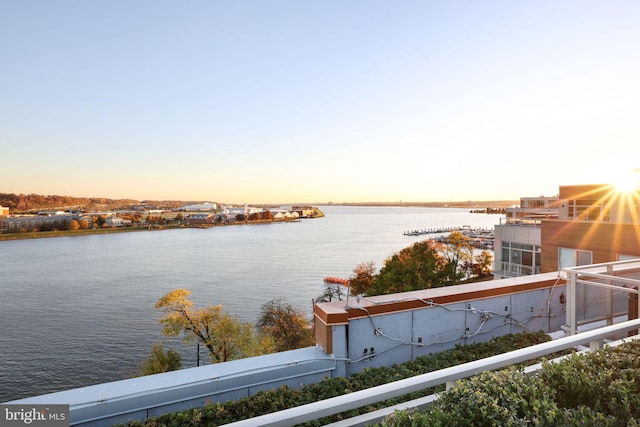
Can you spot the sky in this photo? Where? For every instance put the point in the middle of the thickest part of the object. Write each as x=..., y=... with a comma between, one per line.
x=278, y=101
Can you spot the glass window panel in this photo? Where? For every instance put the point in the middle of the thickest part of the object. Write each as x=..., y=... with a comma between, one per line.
x=584, y=258
x=522, y=246
x=566, y=258
x=516, y=256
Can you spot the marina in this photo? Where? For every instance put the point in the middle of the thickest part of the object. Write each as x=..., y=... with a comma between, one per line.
x=479, y=238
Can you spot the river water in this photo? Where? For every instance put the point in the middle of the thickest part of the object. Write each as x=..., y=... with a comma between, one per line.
x=76, y=311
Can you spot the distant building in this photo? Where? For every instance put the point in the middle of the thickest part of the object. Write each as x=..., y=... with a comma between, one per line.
x=199, y=219
x=200, y=207
x=114, y=221
x=4, y=211
x=303, y=211
x=35, y=222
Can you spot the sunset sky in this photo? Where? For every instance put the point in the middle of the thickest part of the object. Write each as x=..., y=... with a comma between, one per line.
x=277, y=101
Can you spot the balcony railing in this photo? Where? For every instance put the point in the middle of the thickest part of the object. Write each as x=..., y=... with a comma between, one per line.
x=606, y=282
x=523, y=222
x=508, y=269
x=336, y=405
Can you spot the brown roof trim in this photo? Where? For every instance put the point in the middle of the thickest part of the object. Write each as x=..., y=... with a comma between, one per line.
x=339, y=313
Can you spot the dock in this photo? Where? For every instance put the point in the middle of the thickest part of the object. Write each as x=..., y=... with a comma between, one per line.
x=480, y=238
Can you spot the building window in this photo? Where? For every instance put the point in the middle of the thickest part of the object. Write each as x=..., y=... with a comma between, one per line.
x=520, y=259
x=587, y=210
x=573, y=258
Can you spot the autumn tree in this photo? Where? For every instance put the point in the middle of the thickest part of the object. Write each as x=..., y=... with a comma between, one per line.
x=361, y=280
x=159, y=361
x=458, y=253
x=225, y=337
x=73, y=225
x=285, y=324
x=482, y=265
x=419, y=266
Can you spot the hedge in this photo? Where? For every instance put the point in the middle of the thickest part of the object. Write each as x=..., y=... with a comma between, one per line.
x=589, y=389
x=219, y=413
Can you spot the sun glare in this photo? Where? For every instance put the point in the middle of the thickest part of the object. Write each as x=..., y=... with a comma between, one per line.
x=626, y=181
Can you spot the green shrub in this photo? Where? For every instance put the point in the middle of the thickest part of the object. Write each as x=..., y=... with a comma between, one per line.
x=592, y=389
x=284, y=397
x=607, y=381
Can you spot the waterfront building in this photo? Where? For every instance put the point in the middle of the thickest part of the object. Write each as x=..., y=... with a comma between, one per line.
x=114, y=221
x=518, y=239
x=584, y=224
x=595, y=224
x=15, y=224
x=207, y=206
x=198, y=219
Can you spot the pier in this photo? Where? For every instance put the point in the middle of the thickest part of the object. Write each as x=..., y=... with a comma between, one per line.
x=479, y=238
x=423, y=231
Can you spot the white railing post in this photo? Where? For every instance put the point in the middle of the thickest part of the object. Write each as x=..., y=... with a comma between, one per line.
x=571, y=302
x=609, y=297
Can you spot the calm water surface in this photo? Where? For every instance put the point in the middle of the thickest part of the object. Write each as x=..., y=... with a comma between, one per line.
x=77, y=311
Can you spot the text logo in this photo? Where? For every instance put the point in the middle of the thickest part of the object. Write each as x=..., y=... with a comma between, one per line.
x=34, y=415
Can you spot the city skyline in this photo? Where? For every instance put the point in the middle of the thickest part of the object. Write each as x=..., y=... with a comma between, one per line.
x=269, y=102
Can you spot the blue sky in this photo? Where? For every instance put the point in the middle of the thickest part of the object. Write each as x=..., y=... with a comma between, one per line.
x=316, y=101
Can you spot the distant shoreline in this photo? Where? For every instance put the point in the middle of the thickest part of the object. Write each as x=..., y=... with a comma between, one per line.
x=71, y=233
x=494, y=204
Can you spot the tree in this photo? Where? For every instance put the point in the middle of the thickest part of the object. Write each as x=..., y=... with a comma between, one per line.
x=458, y=252
x=160, y=361
x=101, y=220
x=362, y=279
x=225, y=337
x=482, y=265
x=285, y=324
x=73, y=225
x=330, y=293
x=419, y=266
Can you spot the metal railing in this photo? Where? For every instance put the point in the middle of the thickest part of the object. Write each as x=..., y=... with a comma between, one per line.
x=336, y=405
x=612, y=276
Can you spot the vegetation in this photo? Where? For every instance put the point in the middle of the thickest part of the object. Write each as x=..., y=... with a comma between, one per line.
x=331, y=292
x=160, y=361
x=282, y=398
x=34, y=202
x=423, y=265
x=361, y=280
x=285, y=324
x=593, y=389
x=281, y=327
x=225, y=337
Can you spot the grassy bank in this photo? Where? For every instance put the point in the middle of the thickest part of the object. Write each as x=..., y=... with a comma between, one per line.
x=64, y=233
